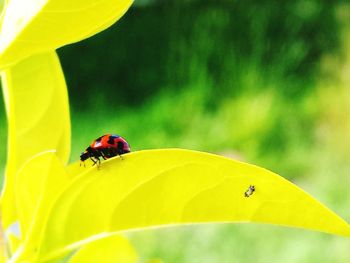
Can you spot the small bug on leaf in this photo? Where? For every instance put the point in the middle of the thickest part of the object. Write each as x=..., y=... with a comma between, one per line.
x=106, y=146
x=250, y=191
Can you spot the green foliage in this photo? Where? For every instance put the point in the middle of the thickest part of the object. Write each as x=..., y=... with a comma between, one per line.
x=170, y=46
x=183, y=70
x=3, y=131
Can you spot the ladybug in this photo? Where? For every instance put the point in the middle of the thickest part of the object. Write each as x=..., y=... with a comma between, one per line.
x=106, y=146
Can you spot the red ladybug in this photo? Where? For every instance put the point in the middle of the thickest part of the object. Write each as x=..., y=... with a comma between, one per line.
x=106, y=146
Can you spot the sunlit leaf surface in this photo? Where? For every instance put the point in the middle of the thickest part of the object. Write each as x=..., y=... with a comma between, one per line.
x=2, y=5
x=37, y=184
x=169, y=187
x=107, y=250
x=32, y=26
x=38, y=118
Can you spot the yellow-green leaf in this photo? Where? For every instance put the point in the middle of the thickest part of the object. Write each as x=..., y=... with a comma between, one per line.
x=34, y=26
x=37, y=184
x=2, y=5
x=168, y=187
x=38, y=118
x=3, y=256
x=107, y=250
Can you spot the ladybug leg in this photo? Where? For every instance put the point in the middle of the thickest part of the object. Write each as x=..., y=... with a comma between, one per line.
x=97, y=162
x=103, y=155
x=93, y=160
x=120, y=150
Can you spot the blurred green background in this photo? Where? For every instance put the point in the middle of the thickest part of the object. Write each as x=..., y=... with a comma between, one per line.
x=261, y=81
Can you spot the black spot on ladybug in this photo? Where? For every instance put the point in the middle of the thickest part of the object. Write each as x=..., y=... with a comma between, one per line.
x=120, y=145
x=111, y=140
x=99, y=139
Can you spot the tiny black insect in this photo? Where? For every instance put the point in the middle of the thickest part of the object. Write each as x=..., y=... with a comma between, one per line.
x=249, y=191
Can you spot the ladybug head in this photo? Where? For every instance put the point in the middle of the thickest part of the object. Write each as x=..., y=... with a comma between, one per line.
x=83, y=156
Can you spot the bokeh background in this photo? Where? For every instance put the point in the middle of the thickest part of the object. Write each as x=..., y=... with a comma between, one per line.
x=262, y=81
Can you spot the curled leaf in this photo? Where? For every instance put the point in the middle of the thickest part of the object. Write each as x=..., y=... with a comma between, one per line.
x=32, y=26
x=37, y=184
x=38, y=119
x=169, y=187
